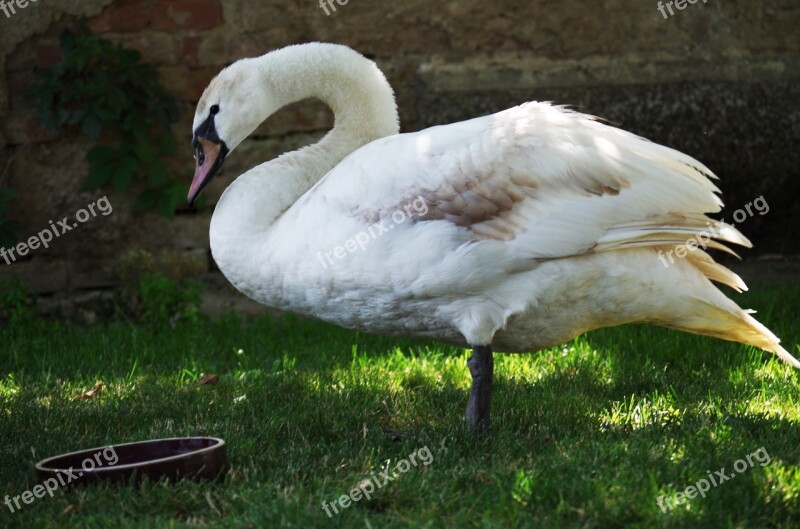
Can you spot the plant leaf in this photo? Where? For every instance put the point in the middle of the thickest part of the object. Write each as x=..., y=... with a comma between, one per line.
x=123, y=173
x=99, y=175
x=91, y=126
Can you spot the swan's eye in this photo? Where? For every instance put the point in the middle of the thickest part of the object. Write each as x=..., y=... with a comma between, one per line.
x=214, y=109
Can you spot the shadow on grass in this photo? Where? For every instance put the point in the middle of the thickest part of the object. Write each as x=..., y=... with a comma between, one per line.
x=594, y=439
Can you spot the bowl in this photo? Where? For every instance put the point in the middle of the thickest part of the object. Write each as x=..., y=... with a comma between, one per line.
x=174, y=459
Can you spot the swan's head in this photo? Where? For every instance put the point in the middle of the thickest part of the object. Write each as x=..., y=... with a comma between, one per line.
x=231, y=108
x=250, y=90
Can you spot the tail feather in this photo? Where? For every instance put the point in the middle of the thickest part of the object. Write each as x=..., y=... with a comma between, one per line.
x=715, y=271
x=784, y=355
x=729, y=322
x=766, y=340
x=708, y=311
x=672, y=230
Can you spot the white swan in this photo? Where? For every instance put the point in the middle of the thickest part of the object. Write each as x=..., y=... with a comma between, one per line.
x=514, y=232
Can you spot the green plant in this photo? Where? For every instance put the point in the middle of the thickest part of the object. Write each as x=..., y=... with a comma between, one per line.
x=9, y=229
x=133, y=265
x=158, y=289
x=164, y=300
x=16, y=303
x=118, y=101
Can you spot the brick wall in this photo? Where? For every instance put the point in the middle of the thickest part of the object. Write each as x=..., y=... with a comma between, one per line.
x=717, y=80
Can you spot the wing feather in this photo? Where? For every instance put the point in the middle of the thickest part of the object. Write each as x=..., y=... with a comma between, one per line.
x=547, y=181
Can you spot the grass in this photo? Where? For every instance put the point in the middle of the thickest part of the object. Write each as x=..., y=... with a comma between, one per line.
x=585, y=435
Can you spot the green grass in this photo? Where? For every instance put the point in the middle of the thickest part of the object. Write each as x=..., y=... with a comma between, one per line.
x=584, y=435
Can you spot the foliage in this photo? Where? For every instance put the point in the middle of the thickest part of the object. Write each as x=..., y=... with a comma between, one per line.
x=165, y=300
x=104, y=90
x=17, y=305
x=158, y=289
x=134, y=264
x=9, y=228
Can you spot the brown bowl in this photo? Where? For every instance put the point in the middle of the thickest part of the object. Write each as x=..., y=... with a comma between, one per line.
x=174, y=459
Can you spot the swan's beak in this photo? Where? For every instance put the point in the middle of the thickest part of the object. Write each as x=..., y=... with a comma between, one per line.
x=209, y=156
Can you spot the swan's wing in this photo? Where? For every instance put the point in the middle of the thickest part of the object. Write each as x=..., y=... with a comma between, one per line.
x=547, y=181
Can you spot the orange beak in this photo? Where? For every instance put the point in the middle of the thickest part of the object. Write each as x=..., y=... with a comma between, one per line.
x=209, y=156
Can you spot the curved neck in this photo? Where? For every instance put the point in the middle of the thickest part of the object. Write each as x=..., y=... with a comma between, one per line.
x=364, y=109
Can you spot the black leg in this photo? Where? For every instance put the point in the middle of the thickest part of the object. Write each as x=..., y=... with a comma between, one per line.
x=481, y=367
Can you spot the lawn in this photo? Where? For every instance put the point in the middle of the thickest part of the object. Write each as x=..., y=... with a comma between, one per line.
x=590, y=434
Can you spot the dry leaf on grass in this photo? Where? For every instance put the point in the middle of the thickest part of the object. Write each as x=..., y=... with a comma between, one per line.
x=92, y=392
x=208, y=379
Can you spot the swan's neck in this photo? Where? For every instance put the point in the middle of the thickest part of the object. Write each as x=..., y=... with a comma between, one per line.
x=364, y=109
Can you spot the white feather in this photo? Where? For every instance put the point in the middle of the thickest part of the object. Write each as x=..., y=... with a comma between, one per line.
x=532, y=225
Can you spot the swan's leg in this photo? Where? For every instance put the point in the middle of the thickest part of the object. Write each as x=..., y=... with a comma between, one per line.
x=481, y=367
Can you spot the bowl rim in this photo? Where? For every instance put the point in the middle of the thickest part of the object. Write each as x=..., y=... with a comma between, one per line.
x=41, y=465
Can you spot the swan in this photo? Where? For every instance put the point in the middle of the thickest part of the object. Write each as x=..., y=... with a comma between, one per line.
x=511, y=232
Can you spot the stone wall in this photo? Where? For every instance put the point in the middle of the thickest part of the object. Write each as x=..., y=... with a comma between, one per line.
x=717, y=79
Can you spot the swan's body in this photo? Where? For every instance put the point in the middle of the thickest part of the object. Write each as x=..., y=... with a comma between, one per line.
x=519, y=230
